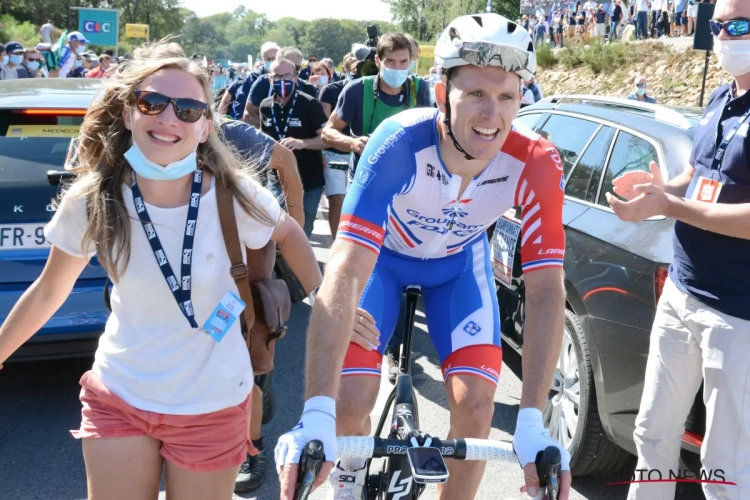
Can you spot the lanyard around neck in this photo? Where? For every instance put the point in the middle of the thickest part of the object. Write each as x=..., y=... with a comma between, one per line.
x=180, y=291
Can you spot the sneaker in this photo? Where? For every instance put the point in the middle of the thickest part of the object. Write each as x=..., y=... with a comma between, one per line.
x=346, y=485
x=252, y=473
x=392, y=365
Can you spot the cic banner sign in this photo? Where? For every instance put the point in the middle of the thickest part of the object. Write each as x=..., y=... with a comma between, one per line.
x=99, y=26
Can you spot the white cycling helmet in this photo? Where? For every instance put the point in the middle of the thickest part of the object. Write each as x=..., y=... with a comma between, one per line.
x=486, y=40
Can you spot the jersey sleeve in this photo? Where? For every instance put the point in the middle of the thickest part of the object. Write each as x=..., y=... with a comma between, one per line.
x=540, y=194
x=387, y=168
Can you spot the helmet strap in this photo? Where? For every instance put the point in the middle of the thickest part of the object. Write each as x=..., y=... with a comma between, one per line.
x=447, y=119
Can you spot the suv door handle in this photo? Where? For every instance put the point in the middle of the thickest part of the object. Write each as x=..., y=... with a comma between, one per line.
x=54, y=177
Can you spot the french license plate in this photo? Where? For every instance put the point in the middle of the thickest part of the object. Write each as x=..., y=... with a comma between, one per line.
x=504, y=244
x=22, y=236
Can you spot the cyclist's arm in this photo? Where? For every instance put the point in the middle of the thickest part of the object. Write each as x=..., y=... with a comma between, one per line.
x=380, y=177
x=540, y=193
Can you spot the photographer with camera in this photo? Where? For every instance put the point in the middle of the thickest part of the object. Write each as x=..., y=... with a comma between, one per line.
x=382, y=88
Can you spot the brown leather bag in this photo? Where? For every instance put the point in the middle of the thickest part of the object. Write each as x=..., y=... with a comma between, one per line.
x=268, y=303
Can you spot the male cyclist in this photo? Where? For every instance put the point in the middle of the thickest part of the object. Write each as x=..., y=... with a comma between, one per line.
x=428, y=185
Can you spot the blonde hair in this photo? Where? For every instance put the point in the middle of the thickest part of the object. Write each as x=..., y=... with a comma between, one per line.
x=98, y=156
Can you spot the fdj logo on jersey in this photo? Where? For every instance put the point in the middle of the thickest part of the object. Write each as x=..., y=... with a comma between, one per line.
x=96, y=27
x=472, y=328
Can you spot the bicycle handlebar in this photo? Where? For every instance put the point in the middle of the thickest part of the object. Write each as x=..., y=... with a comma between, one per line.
x=547, y=461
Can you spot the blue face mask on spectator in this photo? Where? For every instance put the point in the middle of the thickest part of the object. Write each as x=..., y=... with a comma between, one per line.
x=33, y=65
x=79, y=63
x=16, y=59
x=5, y=59
x=394, y=77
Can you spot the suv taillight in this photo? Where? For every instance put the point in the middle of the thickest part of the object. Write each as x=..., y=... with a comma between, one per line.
x=660, y=277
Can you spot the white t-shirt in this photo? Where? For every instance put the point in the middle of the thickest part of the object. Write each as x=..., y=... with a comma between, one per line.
x=148, y=354
x=47, y=33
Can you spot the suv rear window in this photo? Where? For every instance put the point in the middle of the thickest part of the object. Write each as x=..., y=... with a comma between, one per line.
x=34, y=141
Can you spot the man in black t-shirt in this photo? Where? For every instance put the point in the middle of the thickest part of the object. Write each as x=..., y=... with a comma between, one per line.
x=296, y=120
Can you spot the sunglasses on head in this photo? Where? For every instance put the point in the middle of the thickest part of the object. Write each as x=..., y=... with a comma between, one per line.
x=735, y=27
x=153, y=103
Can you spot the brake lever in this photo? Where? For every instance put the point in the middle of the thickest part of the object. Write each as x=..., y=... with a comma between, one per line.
x=548, y=469
x=310, y=462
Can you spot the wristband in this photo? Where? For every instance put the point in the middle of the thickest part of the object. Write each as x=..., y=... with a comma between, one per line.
x=322, y=404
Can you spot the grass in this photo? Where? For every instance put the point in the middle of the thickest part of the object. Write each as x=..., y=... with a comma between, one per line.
x=595, y=55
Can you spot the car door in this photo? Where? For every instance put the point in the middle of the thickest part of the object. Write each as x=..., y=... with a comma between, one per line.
x=33, y=147
x=617, y=270
x=571, y=136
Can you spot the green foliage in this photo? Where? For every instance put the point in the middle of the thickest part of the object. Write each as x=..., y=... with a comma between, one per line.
x=545, y=58
x=426, y=19
x=598, y=56
x=11, y=30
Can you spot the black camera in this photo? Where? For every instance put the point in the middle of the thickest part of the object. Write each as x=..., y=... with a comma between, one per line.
x=372, y=36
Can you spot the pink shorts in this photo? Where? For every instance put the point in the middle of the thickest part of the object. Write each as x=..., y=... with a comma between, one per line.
x=201, y=443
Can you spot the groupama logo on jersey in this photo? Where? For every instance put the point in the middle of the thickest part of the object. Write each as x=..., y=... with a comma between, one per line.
x=387, y=143
x=455, y=209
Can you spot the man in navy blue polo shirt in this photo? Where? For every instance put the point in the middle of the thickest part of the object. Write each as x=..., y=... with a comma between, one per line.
x=235, y=97
x=701, y=331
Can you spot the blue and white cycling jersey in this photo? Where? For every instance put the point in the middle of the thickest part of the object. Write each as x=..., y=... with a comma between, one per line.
x=404, y=199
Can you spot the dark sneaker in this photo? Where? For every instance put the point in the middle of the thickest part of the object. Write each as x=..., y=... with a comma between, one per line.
x=265, y=384
x=392, y=366
x=252, y=473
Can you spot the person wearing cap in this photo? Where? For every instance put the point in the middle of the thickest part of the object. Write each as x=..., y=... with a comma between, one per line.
x=5, y=72
x=105, y=61
x=14, y=65
x=69, y=56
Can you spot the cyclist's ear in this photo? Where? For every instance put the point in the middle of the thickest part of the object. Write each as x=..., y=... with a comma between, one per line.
x=440, y=96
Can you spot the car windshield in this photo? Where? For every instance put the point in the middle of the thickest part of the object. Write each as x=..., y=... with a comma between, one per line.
x=35, y=140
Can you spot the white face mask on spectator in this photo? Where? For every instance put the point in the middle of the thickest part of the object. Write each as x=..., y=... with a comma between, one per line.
x=734, y=55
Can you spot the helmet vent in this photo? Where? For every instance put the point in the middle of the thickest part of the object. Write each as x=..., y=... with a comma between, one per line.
x=478, y=19
x=453, y=34
x=512, y=27
x=531, y=47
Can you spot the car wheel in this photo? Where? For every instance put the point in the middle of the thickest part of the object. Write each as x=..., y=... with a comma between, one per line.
x=571, y=414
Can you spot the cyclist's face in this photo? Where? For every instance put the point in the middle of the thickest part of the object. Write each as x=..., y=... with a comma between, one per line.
x=484, y=102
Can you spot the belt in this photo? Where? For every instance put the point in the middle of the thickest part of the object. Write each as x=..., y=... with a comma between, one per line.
x=338, y=166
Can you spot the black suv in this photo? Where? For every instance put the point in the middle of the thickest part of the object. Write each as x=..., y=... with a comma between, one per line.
x=614, y=271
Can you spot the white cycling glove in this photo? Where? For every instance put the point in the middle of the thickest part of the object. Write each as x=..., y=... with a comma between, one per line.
x=318, y=421
x=531, y=437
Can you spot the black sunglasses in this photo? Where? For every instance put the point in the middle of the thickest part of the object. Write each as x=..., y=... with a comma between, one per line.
x=153, y=103
x=735, y=27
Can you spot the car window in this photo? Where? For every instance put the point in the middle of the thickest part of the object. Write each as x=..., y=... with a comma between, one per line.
x=530, y=120
x=569, y=135
x=630, y=153
x=34, y=143
x=584, y=180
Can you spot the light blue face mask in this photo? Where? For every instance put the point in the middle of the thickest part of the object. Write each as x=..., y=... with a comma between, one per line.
x=412, y=66
x=394, y=77
x=33, y=66
x=349, y=77
x=79, y=63
x=150, y=170
x=16, y=60
x=267, y=65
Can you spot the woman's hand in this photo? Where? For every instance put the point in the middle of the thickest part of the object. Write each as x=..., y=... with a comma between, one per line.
x=365, y=333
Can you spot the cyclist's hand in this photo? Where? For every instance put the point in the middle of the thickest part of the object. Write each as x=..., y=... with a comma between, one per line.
x=365, y=333
x=624, y=185
x=529, y=439
x=318, y=421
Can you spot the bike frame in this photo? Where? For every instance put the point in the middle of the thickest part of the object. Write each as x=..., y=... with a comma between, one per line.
x=399, y=483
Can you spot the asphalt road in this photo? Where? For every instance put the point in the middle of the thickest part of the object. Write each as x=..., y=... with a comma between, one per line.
x=39, y=460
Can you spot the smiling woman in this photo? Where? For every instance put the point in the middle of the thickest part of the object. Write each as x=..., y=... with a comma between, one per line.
x=149, y=164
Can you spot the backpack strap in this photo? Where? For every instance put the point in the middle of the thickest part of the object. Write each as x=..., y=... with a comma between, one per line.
x=238, y=269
